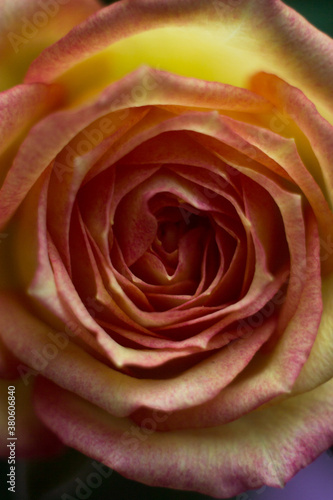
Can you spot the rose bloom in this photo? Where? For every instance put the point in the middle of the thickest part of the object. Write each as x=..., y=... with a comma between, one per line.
x=166, y=237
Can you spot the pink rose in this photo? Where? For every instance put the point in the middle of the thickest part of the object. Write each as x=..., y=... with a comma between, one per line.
x=166, y=237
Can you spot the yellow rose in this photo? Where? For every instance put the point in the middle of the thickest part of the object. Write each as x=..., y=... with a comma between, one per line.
x=167, y=254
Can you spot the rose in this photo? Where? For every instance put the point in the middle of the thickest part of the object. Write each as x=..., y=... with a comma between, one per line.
x=210, y=165
x=69, y=363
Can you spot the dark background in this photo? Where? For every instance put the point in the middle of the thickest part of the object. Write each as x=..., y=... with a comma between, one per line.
x=51, y=479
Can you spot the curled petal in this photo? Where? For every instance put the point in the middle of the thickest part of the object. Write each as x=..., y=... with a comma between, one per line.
x=318, y=131
x=274, y=372
x=274, y=39
x=53, y=355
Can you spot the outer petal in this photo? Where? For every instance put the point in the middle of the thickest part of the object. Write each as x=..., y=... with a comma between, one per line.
x=57, y=130
x=319, y=366
x=309, y=177
x=316, y=129
x=52, y=355
x=54, y=132
x=266, y=447
x=20, y=107
x=27, y=27
x=248, y=36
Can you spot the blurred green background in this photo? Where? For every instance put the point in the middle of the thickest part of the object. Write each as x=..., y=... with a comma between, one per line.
x=318, y=12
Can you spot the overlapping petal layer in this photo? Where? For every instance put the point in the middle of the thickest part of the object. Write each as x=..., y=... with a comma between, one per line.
x=213, y=461
x=168, y=244
x=204, y=182
x=249, y=36
x=26, y=28
x=76, y=275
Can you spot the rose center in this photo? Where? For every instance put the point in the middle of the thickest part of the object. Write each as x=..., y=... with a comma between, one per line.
x=173, y=223
x=168, y=233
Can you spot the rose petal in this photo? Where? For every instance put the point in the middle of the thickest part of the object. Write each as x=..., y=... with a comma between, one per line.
x=320, y=135
x=26, y=28
x=59, y=359
x=319, y=366
x=201, y=33
x=20, y=107
x=54, y=132
x=273, y=373
x=275, y=442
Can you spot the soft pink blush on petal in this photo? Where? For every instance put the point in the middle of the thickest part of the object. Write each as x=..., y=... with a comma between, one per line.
x=54, y=132
x=63, y=189
x=318, y=368
x=287, y=44
x=21, y=106
x=28, y=27
x=303, y=112
x=14, y=10
x=270, y=374
x=55, y=290
x=213, y=461
x=117, y=393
